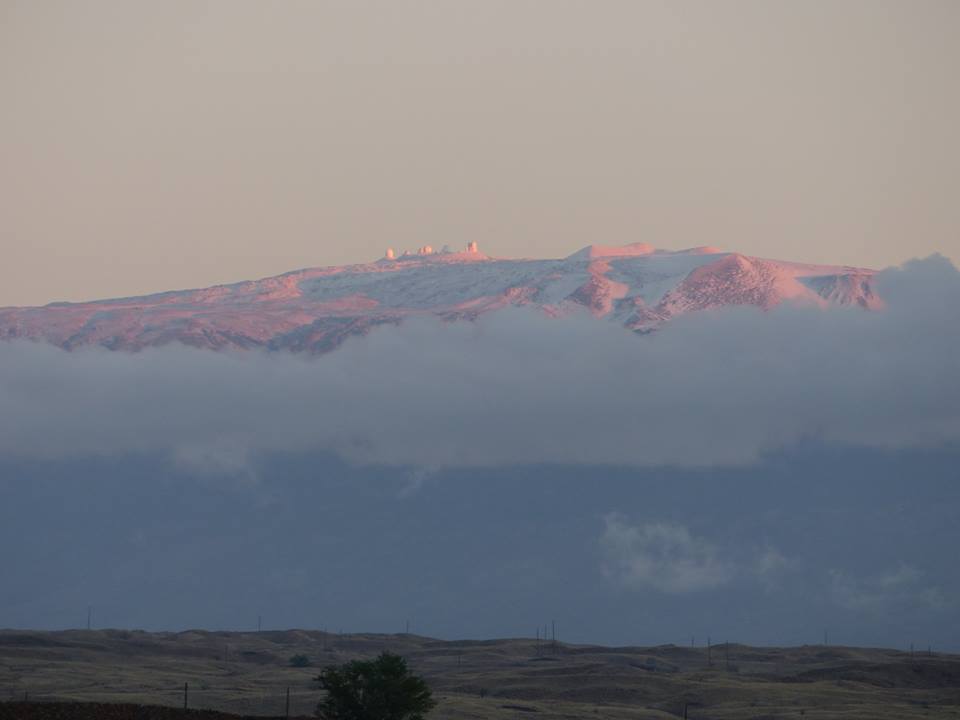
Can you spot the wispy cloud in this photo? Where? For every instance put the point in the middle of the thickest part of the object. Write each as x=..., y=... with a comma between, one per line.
x=903, y=585
x=667, y=556
x=661, y=555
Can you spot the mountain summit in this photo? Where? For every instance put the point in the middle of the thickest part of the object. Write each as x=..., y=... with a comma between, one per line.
x=316, y=309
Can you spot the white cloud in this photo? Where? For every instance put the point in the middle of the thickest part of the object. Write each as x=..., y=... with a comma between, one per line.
x=668, y=557
x=771, y=568
x=876, y=594
x=770, y=561
x=515, y=387
x=661, y=555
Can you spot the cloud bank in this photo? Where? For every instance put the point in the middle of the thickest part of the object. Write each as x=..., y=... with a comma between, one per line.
x=514, y=387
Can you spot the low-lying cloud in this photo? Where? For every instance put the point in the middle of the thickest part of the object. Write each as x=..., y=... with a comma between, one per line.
x=514, y=387
x=663, y=556
x=669, y=557
x=902, y=586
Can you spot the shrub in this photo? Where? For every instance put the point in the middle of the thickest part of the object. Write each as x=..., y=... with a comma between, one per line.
x=381, y=689
x=299, y=661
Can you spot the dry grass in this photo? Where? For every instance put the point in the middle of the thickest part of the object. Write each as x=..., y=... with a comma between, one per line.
x=248, y=673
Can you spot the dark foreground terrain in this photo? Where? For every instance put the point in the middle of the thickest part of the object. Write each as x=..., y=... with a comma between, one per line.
x=248, y=674
x=51, y=710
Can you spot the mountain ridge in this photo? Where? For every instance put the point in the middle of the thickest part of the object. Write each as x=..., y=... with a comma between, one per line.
x=315, y=309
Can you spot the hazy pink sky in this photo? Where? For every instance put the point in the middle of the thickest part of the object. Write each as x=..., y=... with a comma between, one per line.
x=156, y=145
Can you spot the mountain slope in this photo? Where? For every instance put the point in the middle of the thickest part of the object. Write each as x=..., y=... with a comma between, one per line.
x=316, y=309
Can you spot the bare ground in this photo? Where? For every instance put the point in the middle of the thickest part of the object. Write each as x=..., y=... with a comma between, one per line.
x=249, y=673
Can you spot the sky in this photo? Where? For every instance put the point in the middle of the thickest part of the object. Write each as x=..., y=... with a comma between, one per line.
x=751, y=475
x=153, y=146
x=756, y=476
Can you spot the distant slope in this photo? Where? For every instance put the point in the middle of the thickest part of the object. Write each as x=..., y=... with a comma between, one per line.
x=249, y=673
x=316, y=309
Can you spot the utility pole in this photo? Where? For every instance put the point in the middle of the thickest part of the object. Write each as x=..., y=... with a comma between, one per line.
x=709, y=653
x=89, y=615
x=259, y=622
x=408, y=628
x=825, y=642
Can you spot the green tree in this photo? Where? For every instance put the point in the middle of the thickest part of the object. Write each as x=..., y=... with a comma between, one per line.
x=381, y=689
x=300, y=661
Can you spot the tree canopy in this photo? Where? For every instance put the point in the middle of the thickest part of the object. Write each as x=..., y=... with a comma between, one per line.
x=380, y=689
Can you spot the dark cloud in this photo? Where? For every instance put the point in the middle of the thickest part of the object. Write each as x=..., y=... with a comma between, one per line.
x=859, y=541
x=514, y=387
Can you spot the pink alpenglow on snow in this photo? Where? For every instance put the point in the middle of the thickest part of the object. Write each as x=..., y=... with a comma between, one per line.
x=316, y=309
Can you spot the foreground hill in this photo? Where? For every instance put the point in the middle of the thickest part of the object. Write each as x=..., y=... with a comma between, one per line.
x=249, y=673
x=59, y=710
x=316, y=309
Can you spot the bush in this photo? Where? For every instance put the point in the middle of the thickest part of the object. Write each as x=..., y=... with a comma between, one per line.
x=299, y=661
x=381, y=689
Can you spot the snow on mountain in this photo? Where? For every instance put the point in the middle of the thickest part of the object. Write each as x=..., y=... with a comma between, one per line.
x=316, y=309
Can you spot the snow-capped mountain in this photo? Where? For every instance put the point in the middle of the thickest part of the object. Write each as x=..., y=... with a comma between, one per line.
x=317, y=308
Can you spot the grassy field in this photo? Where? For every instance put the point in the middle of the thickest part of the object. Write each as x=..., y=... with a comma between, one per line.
x=249, y=673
